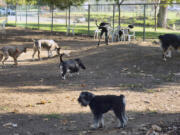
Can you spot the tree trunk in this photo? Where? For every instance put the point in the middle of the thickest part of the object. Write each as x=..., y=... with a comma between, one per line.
x=162, y=15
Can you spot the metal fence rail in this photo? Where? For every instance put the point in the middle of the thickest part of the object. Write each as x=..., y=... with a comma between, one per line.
x=82, y=18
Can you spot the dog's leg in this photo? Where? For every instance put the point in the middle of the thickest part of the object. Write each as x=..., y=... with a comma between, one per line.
x=1, y=57
x=34, y=52
x=98, y=121
x=101, y=120
x=169, y=53
x=64, y=71
x=106, y=37
x=6, y=55
x=125, y=118
x=15, y=61
x=50, y=52
x=119, y=114
x=100, y=37
x=39, y=54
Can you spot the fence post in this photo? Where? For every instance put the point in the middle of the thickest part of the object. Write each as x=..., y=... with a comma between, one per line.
x=66, y=17
x=113, y=14
x=6, y=14
x=89, y=20
x=69, y=20
x=52, y=9
x=16, y=15
x=155, y=17
x=119, y=18
x=38, y=15
x=26, y=15
x=144, y=27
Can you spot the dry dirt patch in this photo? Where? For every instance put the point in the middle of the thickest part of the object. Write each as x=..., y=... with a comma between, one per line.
x=34, y=100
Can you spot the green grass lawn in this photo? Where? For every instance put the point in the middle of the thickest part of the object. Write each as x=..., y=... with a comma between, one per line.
x=150, y=33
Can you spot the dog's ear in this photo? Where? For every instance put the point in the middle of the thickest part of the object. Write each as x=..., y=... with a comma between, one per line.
x=17, y=50
x=25, y=49
x=131, y=26
x=90, y=96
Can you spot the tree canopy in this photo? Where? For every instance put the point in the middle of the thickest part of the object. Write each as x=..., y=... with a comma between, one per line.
x=62, y=4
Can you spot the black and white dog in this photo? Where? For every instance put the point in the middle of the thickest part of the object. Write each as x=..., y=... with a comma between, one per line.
x=104, y=27
x=169, y=42
x=102, y=104
x=70, y=66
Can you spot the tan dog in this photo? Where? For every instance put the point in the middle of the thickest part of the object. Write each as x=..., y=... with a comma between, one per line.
x=13, y=51
x=49, y=45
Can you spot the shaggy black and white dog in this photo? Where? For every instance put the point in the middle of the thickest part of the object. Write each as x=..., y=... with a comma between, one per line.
x=169, y=42
x=100, y=104
x=70, y=66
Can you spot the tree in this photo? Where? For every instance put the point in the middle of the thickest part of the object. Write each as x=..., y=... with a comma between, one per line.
x=118, y=2
x=20, y=2
x=162, y=14
x=155, y=13
x=62, y=4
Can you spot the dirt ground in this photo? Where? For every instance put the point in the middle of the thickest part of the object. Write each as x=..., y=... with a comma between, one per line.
x=34, y=100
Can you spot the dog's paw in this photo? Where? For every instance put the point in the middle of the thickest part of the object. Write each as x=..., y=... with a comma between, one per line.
x=122, y=126
x=164, y=59
x=93, y=127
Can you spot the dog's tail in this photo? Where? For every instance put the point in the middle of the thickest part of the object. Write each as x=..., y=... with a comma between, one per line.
x=123, y=99
x=123, y=109
x=60, y=57
x=80, y=63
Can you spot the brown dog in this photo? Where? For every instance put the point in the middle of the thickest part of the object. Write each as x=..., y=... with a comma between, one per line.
x=13, y=51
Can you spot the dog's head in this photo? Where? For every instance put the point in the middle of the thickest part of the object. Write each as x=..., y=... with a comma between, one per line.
x=85, y=98
x=160, y=37
x=131, y=26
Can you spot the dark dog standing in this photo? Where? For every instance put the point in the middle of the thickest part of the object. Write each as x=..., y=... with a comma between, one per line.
x=104, y=29
x=169, y=42
x=102, y=104
x=71, y=66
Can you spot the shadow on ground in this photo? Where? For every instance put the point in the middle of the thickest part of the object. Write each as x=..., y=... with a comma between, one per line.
x=124, y=66
x=78, y=123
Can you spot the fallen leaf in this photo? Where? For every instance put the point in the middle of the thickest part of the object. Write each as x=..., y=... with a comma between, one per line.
x=15, y=111
x=64, y=122
x=41, y=102
x=29, y=105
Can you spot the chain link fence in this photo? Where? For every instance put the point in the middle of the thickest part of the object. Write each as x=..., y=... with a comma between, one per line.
x=82, y=18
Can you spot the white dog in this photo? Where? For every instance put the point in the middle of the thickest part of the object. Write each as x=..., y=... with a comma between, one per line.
x=49, y=45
